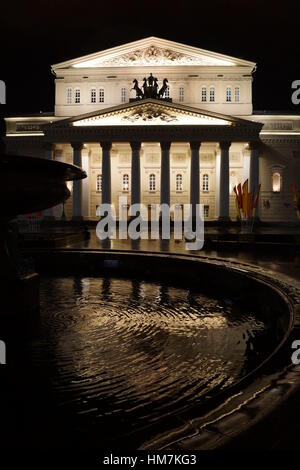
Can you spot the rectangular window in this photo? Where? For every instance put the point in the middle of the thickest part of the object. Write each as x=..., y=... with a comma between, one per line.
x=99, y=183
x=125, y=183
x=237, y=94
x=206, y=211
x=228, y=94
x=181, y=94
x=93, y=95
x=203, y=94
x=77, y=96
x=211, y=94
x=69, y=95
x=152, y=182
x=123, y=94
x=167, y=92
x=101, y=95
x=205, y=182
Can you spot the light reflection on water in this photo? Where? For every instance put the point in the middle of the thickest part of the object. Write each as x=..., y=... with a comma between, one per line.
x=120, y=354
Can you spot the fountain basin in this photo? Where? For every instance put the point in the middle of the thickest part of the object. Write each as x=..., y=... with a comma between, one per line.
x=134, y=355
x=33, y=184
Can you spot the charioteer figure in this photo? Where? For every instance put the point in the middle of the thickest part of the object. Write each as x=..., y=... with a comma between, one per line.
x=150, y=88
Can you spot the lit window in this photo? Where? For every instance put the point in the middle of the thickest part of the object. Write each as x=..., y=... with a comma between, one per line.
x=206, y=211
x=237, y=94
x=123, y=94
x=101, y=95
x=167, y=92
x=181, y=94
x=212, y=94
x=204, y=97
x=93, y=95
x=99, y=183
x=77, y=96
x=228, y=94
x=179, y=184
x=276, y=182
x=69, y=95
x=152, y=182
x=125, y=183
x=205, y=182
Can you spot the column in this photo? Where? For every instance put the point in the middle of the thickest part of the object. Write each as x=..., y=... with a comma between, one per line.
x=224, y=181
x=135, y=173
x=49, y=155
x=106, y=173
x=254, y=170
x=86, y=185
x=77, y=185
x=194, y=177
x=165, y=173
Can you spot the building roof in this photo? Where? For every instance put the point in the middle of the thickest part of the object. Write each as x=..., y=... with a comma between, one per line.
x=152, y=51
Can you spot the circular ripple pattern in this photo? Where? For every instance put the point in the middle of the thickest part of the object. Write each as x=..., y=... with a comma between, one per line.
x=114, y=356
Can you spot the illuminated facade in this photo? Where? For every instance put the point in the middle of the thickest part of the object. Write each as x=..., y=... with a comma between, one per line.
x=194, y=145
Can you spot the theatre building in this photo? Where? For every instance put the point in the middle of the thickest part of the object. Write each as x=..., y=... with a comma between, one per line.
x=158, y=121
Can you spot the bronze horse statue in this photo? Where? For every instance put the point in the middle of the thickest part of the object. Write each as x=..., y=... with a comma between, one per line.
x=163, y=89
x=139, y=93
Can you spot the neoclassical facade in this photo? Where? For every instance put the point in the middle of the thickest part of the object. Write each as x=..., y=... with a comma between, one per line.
x=193, y=144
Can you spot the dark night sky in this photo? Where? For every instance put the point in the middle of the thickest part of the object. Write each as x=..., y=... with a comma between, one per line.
x=35, y=35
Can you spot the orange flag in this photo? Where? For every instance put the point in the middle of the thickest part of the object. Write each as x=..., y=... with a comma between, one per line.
x=239, y=188
x=245, y=197
x=237, y=203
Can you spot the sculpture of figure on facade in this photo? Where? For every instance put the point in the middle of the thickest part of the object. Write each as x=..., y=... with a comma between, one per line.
x=139, y=93
x=155, y=88
x=163, y=89
x=150, y=80
x=146, y=89
x=150, y=88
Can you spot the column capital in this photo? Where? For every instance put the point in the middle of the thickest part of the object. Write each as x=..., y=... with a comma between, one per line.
x=77, y=145
x=224, y=145
x=105, y=145
x=135, y=145
x=195, y=145
x=165, y=145
x=254, y=144
x=48, y=146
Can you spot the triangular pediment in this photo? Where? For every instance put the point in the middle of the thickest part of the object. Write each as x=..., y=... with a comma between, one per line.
x=149, y=112
x=153, y=51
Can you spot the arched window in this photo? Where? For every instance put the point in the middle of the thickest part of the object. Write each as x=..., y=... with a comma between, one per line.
x=93, y=95
x=123, y=94
x=69, y=95
x=205, y=182
x=181, y=93
x=167, y=92
x=125, y=182
x=101, y=95
x=99, y=183
x=212, y=94
x=237, y=94
x=276, y=182
x=203, y=94
x=77, y=96
x=152, y=182
x=228, y=94
x=179, y=183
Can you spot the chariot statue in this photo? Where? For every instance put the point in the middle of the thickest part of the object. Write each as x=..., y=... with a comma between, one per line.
x=150, y=88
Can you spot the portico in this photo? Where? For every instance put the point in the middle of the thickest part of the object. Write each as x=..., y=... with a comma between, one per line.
x=153, y=135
